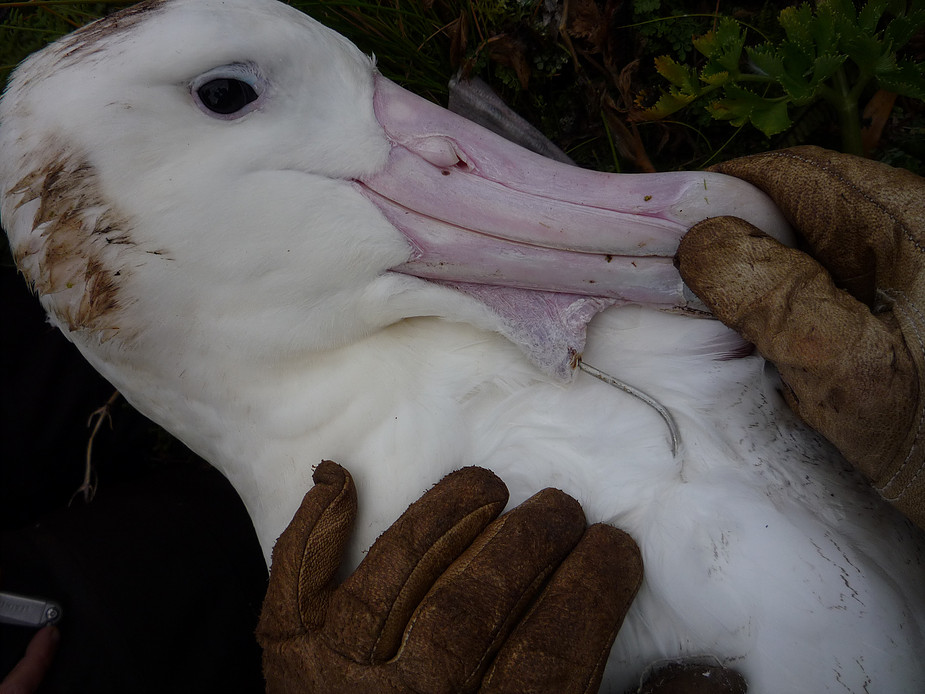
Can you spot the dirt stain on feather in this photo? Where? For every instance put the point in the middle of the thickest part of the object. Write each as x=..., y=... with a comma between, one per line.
x=73, y=253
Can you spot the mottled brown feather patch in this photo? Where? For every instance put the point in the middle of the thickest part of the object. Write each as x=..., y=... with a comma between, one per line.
x=74, y=231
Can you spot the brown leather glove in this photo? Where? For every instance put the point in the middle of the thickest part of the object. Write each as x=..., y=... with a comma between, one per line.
x=448, y=599
x=846, y=326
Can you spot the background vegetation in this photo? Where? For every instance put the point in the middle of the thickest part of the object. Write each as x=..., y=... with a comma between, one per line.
x=633, y=86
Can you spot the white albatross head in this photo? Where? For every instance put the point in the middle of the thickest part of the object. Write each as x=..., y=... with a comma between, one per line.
x=234, y=168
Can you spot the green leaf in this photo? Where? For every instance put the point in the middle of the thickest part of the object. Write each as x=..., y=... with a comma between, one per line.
x=866, y=51
x=737, y=104
x=844, y=8
x=766, y=60
x=797, y=59
x=825, y=66
x=885, y=64
x=771, y=118
x=797, y=66
x=724, y=109
x=715, y=77
x=797, y=24
x=668, y=103
x=706, y=45
x=908, y=79
x=679, y=75
x=799, y=91
x=740, y=106
x=848, y=31
x=869, y=16
x=901, y=29
x=824, y=30
x=729, y=39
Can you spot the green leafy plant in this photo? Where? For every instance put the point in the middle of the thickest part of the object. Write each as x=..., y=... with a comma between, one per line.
x=659, y=25
x=832, y=53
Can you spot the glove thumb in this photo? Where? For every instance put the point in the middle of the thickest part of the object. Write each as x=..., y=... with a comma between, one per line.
x=846, y=371
x=307, y=556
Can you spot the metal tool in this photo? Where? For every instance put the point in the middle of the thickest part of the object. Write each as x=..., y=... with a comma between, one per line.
x=25, y=610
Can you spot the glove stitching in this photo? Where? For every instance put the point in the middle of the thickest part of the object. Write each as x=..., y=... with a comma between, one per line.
x=540, y=577
x=901, y=307
x=416, y=613
x=837, y=176
x=602, y=658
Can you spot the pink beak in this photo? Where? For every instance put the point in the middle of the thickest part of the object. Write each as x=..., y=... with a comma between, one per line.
x=492, y=218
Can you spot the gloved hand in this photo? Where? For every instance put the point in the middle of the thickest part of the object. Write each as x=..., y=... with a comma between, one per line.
x=447, y=599
x=846, y=326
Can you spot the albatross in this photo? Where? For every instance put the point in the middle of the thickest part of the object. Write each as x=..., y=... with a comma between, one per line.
x=281, y=257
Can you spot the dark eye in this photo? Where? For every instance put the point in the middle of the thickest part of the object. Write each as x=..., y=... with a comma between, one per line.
x=226, y=95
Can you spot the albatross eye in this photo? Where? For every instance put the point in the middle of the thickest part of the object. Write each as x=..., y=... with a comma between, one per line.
x=230, y=91
x=225, y=95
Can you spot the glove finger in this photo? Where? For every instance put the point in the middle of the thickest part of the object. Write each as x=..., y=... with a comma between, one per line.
x=370, y=611
x=468, y=614
x=308, y=554
x=563, y=643
x=824, y=193
x=847, y=372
